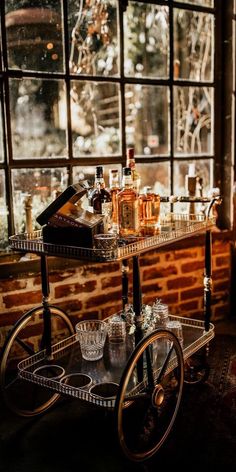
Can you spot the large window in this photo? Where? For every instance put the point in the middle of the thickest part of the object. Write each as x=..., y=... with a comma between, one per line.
x=83, y=80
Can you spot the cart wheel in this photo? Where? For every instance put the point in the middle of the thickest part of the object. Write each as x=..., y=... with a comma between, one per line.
x=196, y=370
x=149, y=394
x=22, y=397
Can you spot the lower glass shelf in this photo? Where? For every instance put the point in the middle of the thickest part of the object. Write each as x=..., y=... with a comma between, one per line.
x=97, y=381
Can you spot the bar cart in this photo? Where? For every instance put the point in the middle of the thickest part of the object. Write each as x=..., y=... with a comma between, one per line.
x=141, y=379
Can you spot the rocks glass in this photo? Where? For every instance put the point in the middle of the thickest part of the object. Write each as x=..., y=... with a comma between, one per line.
x=91, y=335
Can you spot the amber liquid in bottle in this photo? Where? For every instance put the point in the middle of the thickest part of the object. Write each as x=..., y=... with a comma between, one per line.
x=149, y=210
x=128, y=207
x=114, y=188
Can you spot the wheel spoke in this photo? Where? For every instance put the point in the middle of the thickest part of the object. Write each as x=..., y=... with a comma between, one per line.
x=146, y=410
x=163, y=369
x=25, y=346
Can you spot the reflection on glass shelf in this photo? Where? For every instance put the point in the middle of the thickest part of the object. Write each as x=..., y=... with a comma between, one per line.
x=42, y=185
x=36, y=105
x=193, y=44
x=146, y=40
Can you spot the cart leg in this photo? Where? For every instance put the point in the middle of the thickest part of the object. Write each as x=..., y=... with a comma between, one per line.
x=46, y=337
x=207, y=280
x=125, y=282
x=137, y=304
x=196, y=367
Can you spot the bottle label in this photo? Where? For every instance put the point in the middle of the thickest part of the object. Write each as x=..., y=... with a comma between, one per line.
x=130, y=215
x=107, y=208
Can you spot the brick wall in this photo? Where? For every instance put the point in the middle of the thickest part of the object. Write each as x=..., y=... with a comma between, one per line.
x=94, y=290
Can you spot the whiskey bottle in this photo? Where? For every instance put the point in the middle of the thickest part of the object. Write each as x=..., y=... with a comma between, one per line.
x=114, y=188
x=130, y=162
x=100, y=198
x=149, y=211
x=128, y=207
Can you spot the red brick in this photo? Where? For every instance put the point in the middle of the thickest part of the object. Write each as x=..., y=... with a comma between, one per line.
x=220, y=247
x=175, y=255
x=192, y=266
x=221, y=286
x=98, y=269
x=111, y=310
x=9, y=318
x=146, y=261
x=170, y=297
x=71, y=305
x=74, y=289
x=221, y=274
x=192, y=293
x=181, y=282
x=108, y=282
x=12, y=285
x=222, y=261
x=221, y=312
x=159, y=273
x=189, y=306
x=22, y=298
x=155, y=287
x=102, y=299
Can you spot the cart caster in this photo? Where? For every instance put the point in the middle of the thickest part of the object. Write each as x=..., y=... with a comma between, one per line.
x=23, y=397
x=149, y=395
x=196, y=370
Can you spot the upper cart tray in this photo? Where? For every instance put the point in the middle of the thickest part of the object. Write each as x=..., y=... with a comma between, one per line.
x=177, y=227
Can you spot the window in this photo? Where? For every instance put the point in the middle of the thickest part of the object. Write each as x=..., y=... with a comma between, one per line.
x=83, y=80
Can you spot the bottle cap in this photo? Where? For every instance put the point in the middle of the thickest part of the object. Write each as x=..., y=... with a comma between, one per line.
x=126, y=171
x=99, y=171
x=130, y=153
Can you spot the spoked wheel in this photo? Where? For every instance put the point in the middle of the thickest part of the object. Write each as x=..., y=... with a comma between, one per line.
x=24, y=340
x=149, y=395
x=196, y=370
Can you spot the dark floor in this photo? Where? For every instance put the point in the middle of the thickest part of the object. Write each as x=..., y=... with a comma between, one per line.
x=72, y=436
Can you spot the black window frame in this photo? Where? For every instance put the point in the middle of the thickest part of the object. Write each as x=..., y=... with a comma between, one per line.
x=220, y=83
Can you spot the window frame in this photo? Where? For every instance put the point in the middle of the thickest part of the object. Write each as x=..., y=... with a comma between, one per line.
x=220, y=83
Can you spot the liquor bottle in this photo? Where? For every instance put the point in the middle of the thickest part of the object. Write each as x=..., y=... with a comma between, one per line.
x=149, y=210
x=130, y=162
x=114, y=188
x=100, y=198
x=128, y=207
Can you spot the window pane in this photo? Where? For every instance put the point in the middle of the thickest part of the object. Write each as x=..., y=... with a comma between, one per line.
x=34, y=35
x=193, y=121
x=95, y=118
x=203, y=169
x=1, y=129
x=3, y=213
x=193, y=43
x=146, y=40
x=147, y=119
x=94, y=44
x=38, y=118
x=156, y=176
x=88, y=173
x=202, y=3
x=42, y=185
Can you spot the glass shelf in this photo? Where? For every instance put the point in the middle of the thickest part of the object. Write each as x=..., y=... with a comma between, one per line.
x=66, y=357
x=176, y=227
